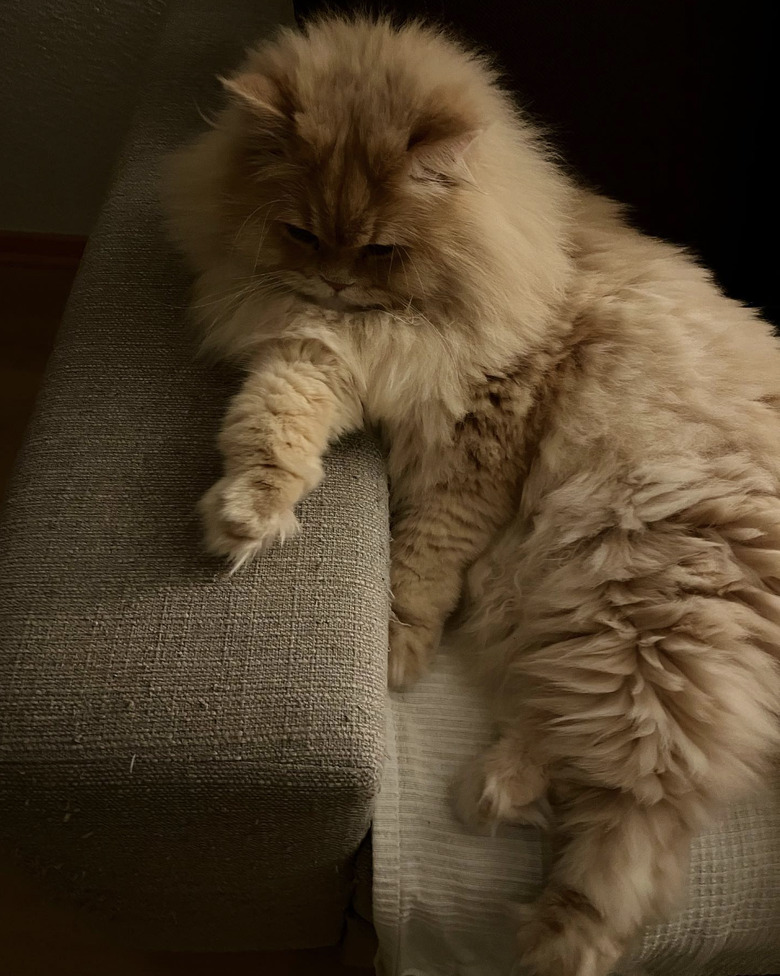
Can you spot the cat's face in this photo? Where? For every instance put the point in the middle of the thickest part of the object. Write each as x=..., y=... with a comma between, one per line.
x=337, y=235
x=363, y=165
x=343, y=204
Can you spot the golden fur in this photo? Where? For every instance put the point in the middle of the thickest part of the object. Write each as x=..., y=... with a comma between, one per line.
x=582, y=431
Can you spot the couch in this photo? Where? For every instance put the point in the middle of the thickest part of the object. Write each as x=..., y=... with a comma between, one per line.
x=190, y=755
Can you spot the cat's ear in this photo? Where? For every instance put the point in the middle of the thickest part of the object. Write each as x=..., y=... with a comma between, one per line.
x=256, y=92
x=438, y=150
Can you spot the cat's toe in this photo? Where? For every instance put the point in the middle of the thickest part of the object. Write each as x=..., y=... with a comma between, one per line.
x=498, y=788
x=467, y=792
x=410, y=653
x=239, y=520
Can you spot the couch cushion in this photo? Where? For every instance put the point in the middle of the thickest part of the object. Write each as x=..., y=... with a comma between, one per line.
x=443, y=895
x=192, y=754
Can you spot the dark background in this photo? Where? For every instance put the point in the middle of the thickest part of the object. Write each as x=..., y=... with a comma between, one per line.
x=668, y=105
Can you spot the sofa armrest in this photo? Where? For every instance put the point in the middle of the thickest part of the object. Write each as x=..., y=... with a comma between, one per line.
x=191, y=754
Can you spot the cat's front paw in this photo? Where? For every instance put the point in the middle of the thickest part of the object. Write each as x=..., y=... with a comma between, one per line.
x=412, y=648
x=241, y=516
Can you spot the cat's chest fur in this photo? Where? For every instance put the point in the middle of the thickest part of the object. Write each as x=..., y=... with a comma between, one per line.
x=481, y=450
x=443, y=417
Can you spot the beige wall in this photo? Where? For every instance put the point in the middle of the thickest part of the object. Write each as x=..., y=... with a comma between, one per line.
x=69, y=70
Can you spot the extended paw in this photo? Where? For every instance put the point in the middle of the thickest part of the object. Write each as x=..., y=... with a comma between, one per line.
x=503, y=785
x=241, y=516
x=563, y=935
x=411, y=650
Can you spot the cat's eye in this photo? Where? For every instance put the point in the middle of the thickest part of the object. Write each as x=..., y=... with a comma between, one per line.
x=378, y=250
x=302, y=236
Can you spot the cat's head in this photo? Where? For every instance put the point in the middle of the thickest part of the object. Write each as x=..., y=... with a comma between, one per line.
x=363, y=165
x=350, y=145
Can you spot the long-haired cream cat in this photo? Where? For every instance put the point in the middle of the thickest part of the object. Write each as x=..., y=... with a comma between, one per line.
x=583, y=437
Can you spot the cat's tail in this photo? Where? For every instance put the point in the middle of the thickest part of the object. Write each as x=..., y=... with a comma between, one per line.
x=621, y=864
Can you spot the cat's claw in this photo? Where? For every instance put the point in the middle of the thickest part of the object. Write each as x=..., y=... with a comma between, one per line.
x=240, y=519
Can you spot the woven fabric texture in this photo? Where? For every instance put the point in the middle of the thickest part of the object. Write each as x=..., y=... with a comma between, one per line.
x=442, y=896
x=190, y=754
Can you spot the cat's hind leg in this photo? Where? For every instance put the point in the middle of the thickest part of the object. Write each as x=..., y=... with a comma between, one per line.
x=621, y=863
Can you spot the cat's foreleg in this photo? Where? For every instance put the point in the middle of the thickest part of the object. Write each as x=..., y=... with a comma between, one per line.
x=434, y=541
x=294, y=401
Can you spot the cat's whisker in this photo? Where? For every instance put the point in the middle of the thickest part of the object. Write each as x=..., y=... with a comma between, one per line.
x=251, y=284
x=227, y=298
x=419, y=316
x=261, y=238
x=419, y=279
x=210, y=122
x=246, y=220
x=446, y=345
x=263, y=206
x=406, y=279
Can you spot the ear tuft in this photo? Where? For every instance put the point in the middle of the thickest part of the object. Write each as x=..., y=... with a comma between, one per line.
x=439, y=141
x=257, y=92
x=442, y=161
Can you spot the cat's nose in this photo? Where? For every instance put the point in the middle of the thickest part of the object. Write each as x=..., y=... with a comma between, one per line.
x=336, y=285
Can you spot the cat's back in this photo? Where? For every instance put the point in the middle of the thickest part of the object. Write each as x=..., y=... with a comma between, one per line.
x=651, y=326
x=658, y=362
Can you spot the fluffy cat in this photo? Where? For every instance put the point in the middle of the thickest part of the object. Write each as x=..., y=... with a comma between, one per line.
x=583, y=442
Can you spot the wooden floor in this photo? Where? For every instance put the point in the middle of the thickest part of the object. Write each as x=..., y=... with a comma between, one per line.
x=37, y=936
x=30, y=310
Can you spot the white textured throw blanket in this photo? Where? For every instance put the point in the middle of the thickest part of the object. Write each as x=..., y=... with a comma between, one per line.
x=442, y=896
